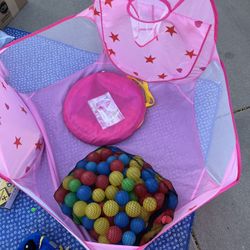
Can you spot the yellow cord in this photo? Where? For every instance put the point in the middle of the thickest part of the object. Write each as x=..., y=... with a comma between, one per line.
x=41, y=241
x=150, y=100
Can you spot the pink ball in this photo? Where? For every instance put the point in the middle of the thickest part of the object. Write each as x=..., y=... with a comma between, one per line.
x=88, y=178
x=102, y=181
x=116, y=165
x=114, y=234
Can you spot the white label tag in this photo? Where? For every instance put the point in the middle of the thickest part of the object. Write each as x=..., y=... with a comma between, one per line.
x=105, y=110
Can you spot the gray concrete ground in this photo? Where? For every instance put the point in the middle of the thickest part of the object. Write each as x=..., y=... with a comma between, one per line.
x=223, y=224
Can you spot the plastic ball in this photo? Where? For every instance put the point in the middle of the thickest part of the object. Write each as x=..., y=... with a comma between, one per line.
x=93, y=211
x=79, y=208
x=116, y=165
x=160, y=198
x=121, y=220
x=66, y=210
x=137, y=225
x=133, y=209
x=110, y=192
x=66, y=181
x=124, y=158
x=76, y=219
x=133, y=196
x=60, y=194
x=93, y=234
x=84, y=193
x=134, y=173
x=172, y=200
x=70, y=199
x=110, y=208
x=114, y=234
x=98, y=195
x=101, y=225
x=91, y=166
x=94, y=157
x=128, y=238
x=140, y=181
x=87, y=223
x=74, y=185
x=128, y=184
x=140, y=190
x=122, y=198
x=103, y=168
x=150, y=204
x=102, y=181
x=81, y=164
x=134, y=163
x=152, y=185
x=115, y=178
x=139, y=160
x=78, y=173
x=88, y=178
x=105, y=153
x=141, y=199
x=111, y=159
x=145, y=215
x=145, y=174
x=163, y=188
x=103, y=239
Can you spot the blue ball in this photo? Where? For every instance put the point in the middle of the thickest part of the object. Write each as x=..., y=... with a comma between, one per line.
x=84, y=193
x=128, y=238
x=145, y=175
x=91, y=166
x=172, y=200
x=121, y=220
x=103, y=168
x=81, y=164
x=66, y=210
x=111, y=158
x=124, y=158
x=137, y=225
x=87, y=223
x=122, y=198
x=152, y=185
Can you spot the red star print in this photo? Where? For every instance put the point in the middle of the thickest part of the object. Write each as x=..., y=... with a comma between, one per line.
x=136, y=73
x=171, y=30
x=192, y=208
x=162, y=76
x=114, y=37
x=7, y=106
x=109, y=2
x=39, y=145
x=23, y=110
x=96, y=12
x=17, y=142
x=150, y=59
x=111, y=52
x=203, y=68
x=3, y=85
x=191, y=54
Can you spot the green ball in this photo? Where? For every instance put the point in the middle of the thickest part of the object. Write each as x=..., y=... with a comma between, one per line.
x=128, y=184
x=133, y=196
x=76, y=219
x=74, y=185
x=70, y=199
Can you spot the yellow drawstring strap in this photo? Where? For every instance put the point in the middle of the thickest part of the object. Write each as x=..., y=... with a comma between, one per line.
x=150, y=100
x=41, y=241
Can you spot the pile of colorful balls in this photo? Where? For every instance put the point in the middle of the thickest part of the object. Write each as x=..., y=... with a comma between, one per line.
x=117, y=197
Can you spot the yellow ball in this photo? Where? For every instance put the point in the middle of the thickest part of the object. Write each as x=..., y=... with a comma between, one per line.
x=133, y=209
x=79, y=208
x=98, y=195
x=66, y=181
x=144, y=214
x=110, y=192
x=115, y=178
x=139, y=160
x=150, y=204
x=101, y=226
x=134, y=173
x=93, y=211
x=103, y=239
x=110, y=208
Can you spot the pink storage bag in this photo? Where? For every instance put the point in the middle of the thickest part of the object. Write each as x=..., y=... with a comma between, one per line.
x=169, y=138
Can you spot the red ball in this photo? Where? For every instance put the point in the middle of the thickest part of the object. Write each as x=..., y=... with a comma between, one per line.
x=166, y=219
x=93, y=234
x=111, y=220
x=102, y=181
x=94, y=156
x=78, y=173
x=160, y=198
x=88, y=178
x=140, y=190
x=60, y=194
x=168, y=184
x=163, y=188
x=116, y=165
x=105, y=153
x=114, y=234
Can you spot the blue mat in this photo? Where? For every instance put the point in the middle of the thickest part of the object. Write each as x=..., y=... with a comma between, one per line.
x=20, y=221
